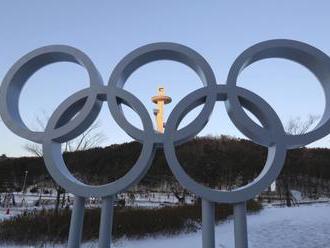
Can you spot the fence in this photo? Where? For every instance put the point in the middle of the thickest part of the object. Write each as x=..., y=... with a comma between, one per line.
x=73, y=116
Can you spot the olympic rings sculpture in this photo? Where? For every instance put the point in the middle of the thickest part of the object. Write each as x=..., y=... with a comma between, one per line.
x=73, y=116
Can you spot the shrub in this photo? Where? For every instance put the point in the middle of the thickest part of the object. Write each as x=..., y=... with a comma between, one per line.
x=34, y=189
x=47, y=226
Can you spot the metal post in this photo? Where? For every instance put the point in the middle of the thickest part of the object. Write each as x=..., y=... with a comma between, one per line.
x=76, y=223
x=240, y=226
x=208, y=223
x=105, y=233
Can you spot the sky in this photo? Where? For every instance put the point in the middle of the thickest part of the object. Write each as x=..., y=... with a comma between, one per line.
x=108, y=30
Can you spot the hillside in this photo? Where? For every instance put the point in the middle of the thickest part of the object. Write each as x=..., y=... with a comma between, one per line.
x=221, y=162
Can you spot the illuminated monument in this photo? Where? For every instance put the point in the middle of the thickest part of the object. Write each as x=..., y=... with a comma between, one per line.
x=160, y=100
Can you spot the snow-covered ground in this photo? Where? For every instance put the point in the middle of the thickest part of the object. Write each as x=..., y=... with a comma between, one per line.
x=304, y=227
x=27, y=202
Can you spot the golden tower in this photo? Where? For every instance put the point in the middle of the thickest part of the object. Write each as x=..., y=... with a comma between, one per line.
x=160, y=100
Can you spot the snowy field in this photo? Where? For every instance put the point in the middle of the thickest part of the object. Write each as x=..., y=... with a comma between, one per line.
x=304, y=227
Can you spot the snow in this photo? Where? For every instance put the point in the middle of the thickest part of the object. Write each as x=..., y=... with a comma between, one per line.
x=304, y=227
x=27, y=202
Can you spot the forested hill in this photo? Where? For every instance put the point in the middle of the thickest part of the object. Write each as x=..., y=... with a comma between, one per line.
x=219, y=162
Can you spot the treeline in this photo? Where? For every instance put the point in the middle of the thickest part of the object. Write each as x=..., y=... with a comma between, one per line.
x=221, y=162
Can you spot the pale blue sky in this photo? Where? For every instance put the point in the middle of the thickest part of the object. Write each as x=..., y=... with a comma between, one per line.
x=108, y=30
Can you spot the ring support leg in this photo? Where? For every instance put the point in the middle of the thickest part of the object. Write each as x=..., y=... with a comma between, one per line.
x=240, y=226
x=106, y=222
x=76, y=223
x=208, y=223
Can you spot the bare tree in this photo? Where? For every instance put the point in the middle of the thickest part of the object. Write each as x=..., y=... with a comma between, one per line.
x=92, y=137
x=296, y=126
x=179, y=192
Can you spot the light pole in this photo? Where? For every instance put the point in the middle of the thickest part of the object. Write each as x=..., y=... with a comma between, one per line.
x=26, y=172
x=23, y=189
